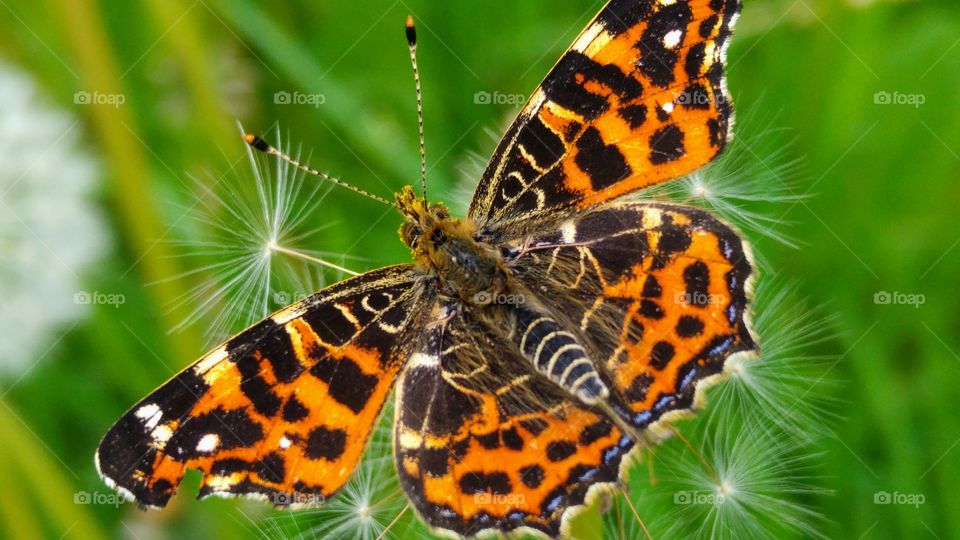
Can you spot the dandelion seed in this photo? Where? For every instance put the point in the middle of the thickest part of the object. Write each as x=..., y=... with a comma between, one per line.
x=248, y=246
x=786, y=389
x=50, y=231
x=752, y=492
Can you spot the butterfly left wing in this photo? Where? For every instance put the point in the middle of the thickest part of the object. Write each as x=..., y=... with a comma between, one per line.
x=639, y=98
x=281, y=411
x=483, y=442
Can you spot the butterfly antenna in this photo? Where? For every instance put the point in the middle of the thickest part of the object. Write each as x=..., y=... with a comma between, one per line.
x=412, y=44
x=259, y=144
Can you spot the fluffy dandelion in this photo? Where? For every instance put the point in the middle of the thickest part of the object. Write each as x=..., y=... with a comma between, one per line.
x=249, y=246
x=788, y=388
x=50, y=231
x=745, y=484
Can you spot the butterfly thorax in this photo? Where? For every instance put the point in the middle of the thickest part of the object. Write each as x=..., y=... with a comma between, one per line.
x=447, y=247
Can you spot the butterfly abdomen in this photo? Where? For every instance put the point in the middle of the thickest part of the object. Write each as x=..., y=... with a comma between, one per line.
x=558, y=355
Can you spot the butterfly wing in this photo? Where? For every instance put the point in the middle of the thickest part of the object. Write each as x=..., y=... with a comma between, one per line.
x=281, y=411
x=484, y=442
x=659, y=294
x=639, y=98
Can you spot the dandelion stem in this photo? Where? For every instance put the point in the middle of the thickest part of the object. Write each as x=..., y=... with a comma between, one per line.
x=294, y=253
x=635, y=513
x=394, y=522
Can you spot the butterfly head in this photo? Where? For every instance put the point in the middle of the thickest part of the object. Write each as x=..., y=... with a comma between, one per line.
x=447, y=246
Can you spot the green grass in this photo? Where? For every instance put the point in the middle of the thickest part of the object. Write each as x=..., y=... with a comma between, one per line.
x=882, y=216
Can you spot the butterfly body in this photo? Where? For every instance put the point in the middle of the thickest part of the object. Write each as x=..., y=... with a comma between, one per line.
x=531, y=347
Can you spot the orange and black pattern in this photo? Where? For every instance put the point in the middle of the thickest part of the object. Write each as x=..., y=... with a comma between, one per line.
x=483, y=442
x=283, y=410
x=532, y=346
x=640, y=98
x=659, y=294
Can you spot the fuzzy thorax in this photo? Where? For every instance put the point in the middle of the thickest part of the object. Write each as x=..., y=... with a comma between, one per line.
x=447, y=247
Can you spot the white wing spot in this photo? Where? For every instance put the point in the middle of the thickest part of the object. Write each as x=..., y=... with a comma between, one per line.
x=284, y=443
x=672, y=39
x=161, y=434
x=208, y=443
x=568, y=230
x=150, y=414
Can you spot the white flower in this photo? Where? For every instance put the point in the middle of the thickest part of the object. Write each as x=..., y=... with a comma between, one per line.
x=50, y=231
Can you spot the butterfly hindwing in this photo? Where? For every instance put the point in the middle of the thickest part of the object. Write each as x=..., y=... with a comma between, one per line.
x=640, y=98
x=484, y=442
x=658, y=293
x=281, y=411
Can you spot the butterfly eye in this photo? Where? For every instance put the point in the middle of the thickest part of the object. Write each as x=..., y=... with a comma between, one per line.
x=411, y=234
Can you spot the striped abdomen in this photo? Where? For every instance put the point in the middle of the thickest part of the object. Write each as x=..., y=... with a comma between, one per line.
x=557, y=354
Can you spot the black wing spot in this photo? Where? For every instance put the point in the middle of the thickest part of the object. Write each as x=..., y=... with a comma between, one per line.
x=561, y=450
x=324, y=443
x=666, y=145
x=661, y=354
x=604, y=164
x=689, y=326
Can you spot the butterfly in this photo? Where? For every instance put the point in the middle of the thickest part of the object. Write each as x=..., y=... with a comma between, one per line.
x=531, y=348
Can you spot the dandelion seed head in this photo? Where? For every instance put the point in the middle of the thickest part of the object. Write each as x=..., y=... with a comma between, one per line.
x=248, y=234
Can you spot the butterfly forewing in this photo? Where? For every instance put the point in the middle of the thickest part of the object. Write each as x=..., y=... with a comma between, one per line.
x=640, y=98
x=283, y=410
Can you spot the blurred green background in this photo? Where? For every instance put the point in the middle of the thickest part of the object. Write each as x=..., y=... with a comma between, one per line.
x=866, y=90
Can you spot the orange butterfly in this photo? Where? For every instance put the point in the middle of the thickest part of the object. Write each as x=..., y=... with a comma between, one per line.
x=533, y=345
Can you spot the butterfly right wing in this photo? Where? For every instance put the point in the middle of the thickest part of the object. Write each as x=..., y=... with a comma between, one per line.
x=283, y=410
